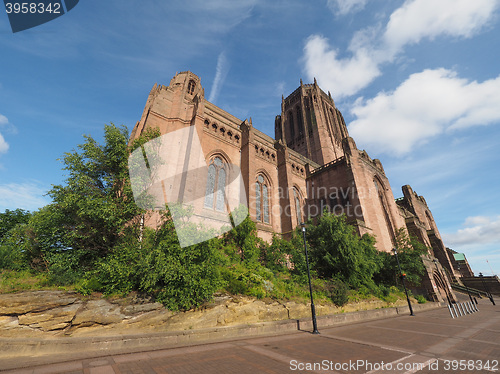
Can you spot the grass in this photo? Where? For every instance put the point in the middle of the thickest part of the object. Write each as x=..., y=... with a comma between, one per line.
x=12, y=281
x=284, y=288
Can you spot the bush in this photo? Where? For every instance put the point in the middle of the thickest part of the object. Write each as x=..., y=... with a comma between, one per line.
x=338, y=292
x=63, y=269
x=257, y=282
x=421, y=299
x=11, y=258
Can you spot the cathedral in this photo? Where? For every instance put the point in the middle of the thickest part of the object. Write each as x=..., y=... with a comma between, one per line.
x=312, y=164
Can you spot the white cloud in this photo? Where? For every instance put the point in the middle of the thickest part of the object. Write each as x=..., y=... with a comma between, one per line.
x=343, y=7
x=342, y=76
x=425, y=105
x=220, y=76
x=4, y=146
x=477, y=230
x=28, y=196
x=371, y=47
x=418, y=19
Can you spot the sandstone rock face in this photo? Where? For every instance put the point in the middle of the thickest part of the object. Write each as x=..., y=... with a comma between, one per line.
x=98, y=311
x=52, y=319
x=57, y=313
x=34, y=301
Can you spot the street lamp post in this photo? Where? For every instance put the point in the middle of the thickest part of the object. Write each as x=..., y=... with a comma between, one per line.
x=403, y=280
x=313, y=309
x=467, y=288
x=445, y=287
x=486, y=289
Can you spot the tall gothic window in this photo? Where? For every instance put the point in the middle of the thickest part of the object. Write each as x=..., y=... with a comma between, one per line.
x=298, y=209
x=300, y=124
x=262, y=200
x=191, y=86
x=216, y=185
x=292, y=125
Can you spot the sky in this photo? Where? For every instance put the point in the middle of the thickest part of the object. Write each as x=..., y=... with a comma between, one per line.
x=418, y=83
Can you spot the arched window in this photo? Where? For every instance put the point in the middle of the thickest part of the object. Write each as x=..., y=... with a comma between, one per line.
x=191, y=86
x=298, y=209
x=216, y=185
x=262, y=200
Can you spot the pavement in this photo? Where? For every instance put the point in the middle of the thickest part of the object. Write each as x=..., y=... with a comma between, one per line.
x=429, y=342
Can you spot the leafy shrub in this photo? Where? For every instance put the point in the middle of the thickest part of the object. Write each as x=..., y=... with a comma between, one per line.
x=243, y=281
x=421, y=299
x=338, y=292
x=64, y=267
x=11, y=258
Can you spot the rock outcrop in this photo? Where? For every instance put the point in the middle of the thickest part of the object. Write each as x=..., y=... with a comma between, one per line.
x=58, y=313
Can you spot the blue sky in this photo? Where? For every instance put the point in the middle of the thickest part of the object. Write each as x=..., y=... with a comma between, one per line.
x=418, y=82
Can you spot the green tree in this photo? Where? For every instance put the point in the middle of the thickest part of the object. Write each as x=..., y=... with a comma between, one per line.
x=42, y=237
x=286, y=255
x=97, y=201
x=10, y=219
x=337, y=251
x=12, y=223
x=410, y=252
x=243, y=240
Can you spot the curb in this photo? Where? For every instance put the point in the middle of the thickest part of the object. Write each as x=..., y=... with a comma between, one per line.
x=39, y=351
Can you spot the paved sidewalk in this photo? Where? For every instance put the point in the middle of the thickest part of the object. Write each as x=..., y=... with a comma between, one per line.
x=429, y=342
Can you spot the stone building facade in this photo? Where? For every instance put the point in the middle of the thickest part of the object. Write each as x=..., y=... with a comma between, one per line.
x=312, y=164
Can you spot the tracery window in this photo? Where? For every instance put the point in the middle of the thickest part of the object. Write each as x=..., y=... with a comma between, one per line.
x=298, y=209
x=262, y=200
x=216, y=185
